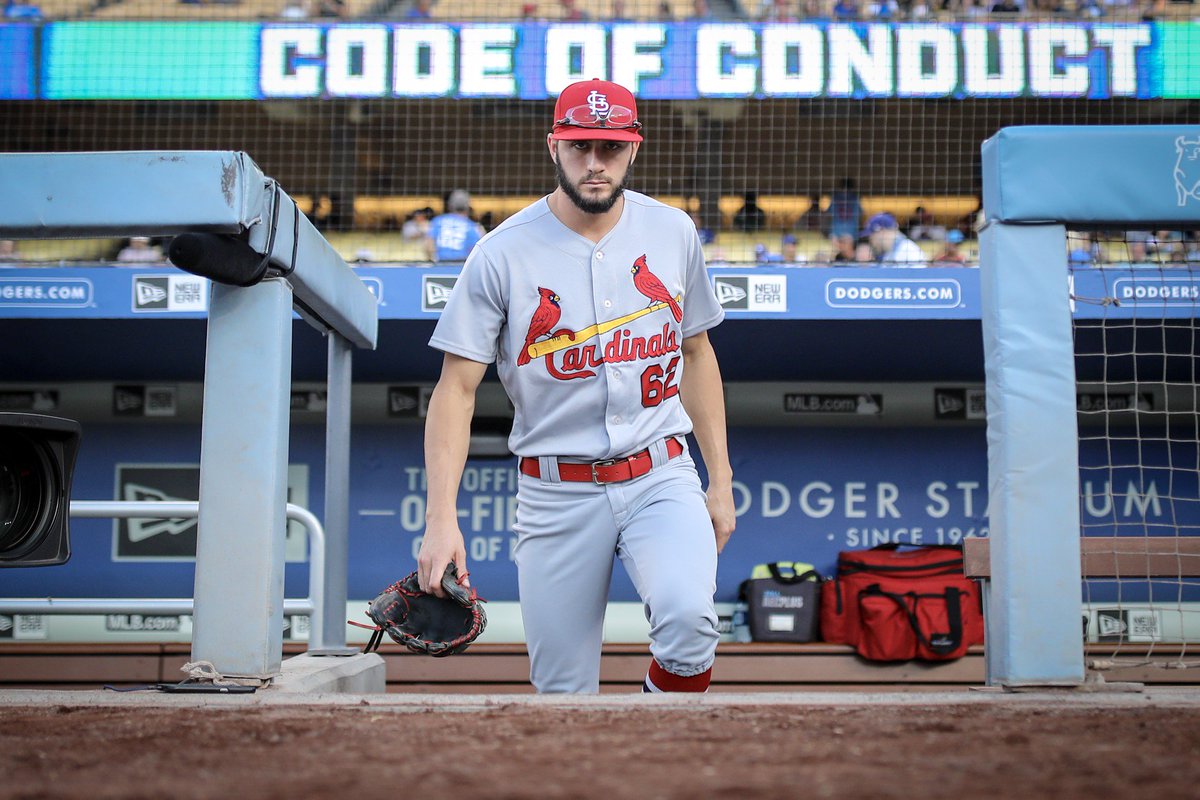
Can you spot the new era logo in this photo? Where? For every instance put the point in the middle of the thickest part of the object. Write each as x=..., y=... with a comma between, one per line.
x=150, y=293
x=170, y=293
x=143, y=529
x=731, y=292
x=756, y=293
x=435, y=291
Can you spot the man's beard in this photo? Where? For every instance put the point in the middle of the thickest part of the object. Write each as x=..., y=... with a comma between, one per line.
x=584, y=204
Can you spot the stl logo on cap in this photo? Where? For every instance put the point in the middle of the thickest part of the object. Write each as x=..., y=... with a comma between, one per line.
x=598, y=103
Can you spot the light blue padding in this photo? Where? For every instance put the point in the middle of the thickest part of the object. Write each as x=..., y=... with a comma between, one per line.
x=144, y=193
x=243, y=480
x=1148, y=175
x=164, y=192
x=1033, y=614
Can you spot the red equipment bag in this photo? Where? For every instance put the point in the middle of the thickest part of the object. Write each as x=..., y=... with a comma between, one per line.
x=896, y=603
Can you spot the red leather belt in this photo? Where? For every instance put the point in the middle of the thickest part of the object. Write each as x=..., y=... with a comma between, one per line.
x=612, y=470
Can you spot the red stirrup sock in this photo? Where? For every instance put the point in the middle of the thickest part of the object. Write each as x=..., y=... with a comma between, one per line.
x=659, y=680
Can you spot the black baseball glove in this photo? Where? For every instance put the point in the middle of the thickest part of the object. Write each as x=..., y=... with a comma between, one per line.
x=426, y=623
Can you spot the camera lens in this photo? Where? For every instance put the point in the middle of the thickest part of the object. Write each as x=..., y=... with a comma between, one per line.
x=28, y=493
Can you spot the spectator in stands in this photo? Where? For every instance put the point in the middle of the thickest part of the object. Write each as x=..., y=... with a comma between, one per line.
x=1165, y=244
x=813, y=218
x=24, y=11
x=420, y=9
x=843, y=249
x=1083, y=249
x=789, y=252
x=571, y=12
x=881, y=9
x=863, y=254
x=919, y=224
x=1192, y=251
x=750, y=217
x=970, y=223
x=294, y=9
x=1080, y=256
x=665, y=12
x=139, y=251
x=8, y=253
x=529, y=13
x=1137, y=244
x=918, y=11
x=331, y=8
x=779, y=11
x=845, y=212
x=706, y=234
x=416, y=224
x=619, y=14
x=1155, y=9
x=951, y=256
x=453, y=234
x=1006, y=7
x=1047, y=8
x=890, y=246
x=700, y=11
x=846, y=11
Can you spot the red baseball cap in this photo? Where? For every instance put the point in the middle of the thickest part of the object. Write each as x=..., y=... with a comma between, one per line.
x=596, y=109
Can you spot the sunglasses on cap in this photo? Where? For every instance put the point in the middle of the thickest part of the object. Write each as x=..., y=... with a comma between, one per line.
x=617, y=117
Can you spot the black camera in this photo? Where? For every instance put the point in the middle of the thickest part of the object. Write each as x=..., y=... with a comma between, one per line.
x=37, y=459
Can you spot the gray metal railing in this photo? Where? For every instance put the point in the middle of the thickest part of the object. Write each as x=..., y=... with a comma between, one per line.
x=313, y=605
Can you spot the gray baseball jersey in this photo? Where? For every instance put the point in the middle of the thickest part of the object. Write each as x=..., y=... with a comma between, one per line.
x=587, y=337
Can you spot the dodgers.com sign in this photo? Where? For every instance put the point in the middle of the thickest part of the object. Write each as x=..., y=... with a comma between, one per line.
x=892, y=293
x=45, y=292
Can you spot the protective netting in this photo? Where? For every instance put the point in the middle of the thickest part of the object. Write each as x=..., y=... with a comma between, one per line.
x=1136, y=295
x=820, y=115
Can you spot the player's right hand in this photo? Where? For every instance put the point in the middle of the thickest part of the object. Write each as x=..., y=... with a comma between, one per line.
x=439, y=547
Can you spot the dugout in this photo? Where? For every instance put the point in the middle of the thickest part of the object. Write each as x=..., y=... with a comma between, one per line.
x=855, y=401
x=855, y=397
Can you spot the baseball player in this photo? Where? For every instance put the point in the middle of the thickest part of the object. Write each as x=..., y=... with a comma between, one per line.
x=452, y=235
x=594, y=304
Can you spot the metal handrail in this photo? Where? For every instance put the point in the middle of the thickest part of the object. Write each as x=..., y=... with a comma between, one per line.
x=145, y=509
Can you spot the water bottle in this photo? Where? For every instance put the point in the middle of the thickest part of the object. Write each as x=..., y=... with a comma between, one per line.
x=741, y=622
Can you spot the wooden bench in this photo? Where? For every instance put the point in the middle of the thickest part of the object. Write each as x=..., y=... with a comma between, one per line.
x=504, y=668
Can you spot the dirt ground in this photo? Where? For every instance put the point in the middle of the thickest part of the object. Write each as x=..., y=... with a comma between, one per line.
x=61, y=751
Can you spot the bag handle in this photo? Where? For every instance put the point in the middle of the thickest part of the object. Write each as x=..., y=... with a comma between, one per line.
x=953, y=615
x=793, y=578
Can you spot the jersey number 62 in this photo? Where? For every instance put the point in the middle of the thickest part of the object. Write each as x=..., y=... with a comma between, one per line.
x=659, y=384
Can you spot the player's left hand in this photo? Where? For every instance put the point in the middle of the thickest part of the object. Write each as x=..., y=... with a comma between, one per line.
x=721, y=509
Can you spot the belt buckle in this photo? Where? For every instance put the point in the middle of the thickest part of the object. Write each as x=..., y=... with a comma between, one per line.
x=608, y=462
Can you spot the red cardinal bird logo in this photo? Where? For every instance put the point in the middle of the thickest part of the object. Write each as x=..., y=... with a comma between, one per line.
x=648, y=284
x=545, y=317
